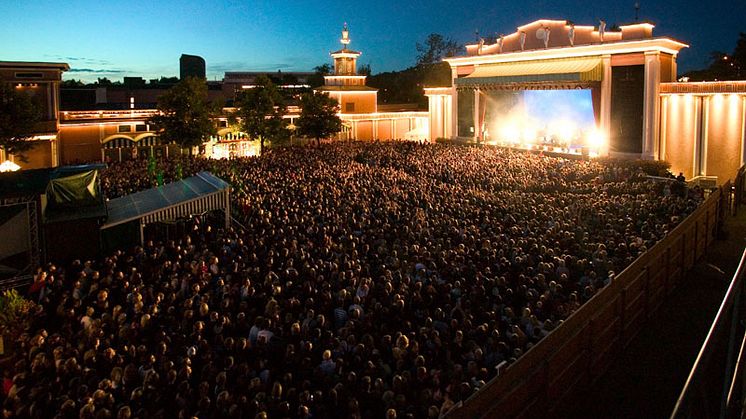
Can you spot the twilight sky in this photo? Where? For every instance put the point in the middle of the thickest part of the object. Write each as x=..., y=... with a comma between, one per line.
x=145, y=38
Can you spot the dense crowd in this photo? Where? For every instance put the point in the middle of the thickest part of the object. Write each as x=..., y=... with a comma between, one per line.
x=369, y=280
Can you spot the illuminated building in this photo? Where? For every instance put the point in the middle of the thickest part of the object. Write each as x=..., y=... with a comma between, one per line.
x=358, y=103
x=550, y=85
x=703, y=128
x=41, y=81
x=553, y=85
x=528, y=88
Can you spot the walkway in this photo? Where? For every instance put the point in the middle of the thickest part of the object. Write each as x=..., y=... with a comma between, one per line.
x=647, y=378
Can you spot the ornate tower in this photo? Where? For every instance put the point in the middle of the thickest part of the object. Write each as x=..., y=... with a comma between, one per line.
x=345, y=60
x=345, y=84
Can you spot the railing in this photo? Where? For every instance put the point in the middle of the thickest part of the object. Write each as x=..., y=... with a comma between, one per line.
x=543, y=382
x=717, y=366
x=738, y=189
x=16, y=282
x=124, y=113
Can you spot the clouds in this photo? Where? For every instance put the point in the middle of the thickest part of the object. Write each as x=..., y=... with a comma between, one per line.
x=78, y=60
x=95, y=70
x=222, y=67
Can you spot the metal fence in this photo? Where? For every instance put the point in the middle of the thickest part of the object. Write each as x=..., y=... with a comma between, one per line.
x=715, y=385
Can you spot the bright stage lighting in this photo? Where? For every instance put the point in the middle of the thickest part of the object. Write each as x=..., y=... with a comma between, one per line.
x=595, y=139
x=529, y=135
x=564, y=130
x=510, y=133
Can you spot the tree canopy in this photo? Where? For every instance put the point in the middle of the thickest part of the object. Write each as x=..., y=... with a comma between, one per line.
x=435, y=48
x=318, y=117
x=406, y=86
x=18, y=117
x=185, y=114
x=260, y=111
x=319, y=72
x=364, y=70
x=724, y=66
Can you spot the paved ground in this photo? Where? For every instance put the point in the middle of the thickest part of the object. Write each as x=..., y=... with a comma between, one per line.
x=646, y=380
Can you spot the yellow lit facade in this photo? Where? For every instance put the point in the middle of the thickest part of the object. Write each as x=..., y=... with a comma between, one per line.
x=358, y=103
x=41, y=82
x=554, y=55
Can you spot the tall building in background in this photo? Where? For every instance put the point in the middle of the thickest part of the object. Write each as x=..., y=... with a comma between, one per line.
x=191, y=66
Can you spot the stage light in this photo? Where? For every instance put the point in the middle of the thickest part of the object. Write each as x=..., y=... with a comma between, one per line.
x=565, y=130
x=510, y=133
x=595, y=139
x=529, y=135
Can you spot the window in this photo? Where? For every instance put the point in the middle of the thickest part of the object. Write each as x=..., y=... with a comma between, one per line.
x=350, y=107
x=223, y=124
x=29, y=75
x=140, y=128
x=125, y=128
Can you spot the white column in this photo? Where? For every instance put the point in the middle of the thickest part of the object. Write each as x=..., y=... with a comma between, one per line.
x=50, y=103
x=374, y=122
x=54, y=151
x=705, y=135
x=454, y=103
x=477, y=125
x=431, y=117
x=651, y=105
x=674, y=70
x=392, y=133
x=743, y=127
x=664, y=127
x=605, y=111
x=448, y=126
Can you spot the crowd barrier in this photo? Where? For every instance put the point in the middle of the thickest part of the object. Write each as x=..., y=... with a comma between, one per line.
x=542, y=382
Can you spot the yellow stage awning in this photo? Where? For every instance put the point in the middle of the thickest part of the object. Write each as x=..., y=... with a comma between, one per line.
x=561, y=69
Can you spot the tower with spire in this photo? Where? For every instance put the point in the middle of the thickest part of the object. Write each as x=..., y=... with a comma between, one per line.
x=345, y=84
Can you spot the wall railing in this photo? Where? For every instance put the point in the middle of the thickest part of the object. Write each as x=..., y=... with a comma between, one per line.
x=714, y=387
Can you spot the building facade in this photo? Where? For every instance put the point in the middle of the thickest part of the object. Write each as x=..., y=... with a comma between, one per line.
x=557, y=86
x=41, y=81
x=358, y=103
x=191, y=66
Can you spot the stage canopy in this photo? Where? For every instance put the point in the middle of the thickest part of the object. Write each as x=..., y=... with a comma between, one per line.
x=587, y=69
x=194, y=195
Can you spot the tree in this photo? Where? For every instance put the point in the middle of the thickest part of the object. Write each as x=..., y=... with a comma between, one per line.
x=319, y=72
x=435, y=48
x=184, y=115
x=18, y=117
x=261, y=110
x=318, y=116
x=103, y=81
x=724, y=66
x=72, y=83
x=365, y=70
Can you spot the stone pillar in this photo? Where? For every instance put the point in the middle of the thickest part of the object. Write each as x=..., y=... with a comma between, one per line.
x=651, y=105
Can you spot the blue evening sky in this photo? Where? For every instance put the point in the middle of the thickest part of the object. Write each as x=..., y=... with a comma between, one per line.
x=146, y=38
